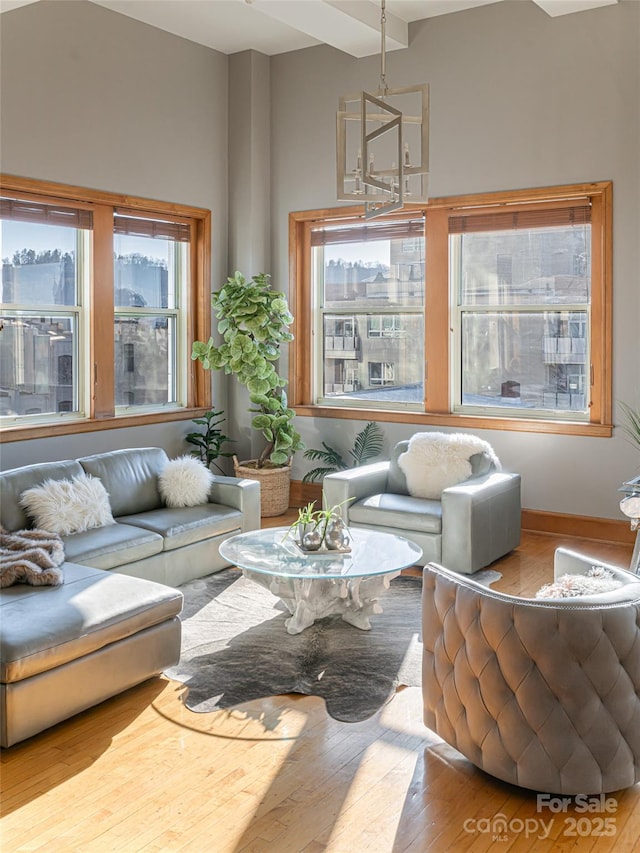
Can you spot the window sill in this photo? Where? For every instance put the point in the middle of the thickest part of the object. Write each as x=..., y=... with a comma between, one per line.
x=458, y=421
x=23, y=433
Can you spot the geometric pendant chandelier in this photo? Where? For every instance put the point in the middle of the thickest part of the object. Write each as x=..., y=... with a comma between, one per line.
x=382, y=143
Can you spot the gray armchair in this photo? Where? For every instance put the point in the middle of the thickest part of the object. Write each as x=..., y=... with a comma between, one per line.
x=471, y=525
x=541, y=693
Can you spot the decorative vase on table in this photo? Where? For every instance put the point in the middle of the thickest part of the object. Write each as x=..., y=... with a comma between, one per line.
x=335, y=534
x=320, y=529
x=311, y=540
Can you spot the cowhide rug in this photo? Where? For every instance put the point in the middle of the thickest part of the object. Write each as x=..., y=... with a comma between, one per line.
x=235, y=648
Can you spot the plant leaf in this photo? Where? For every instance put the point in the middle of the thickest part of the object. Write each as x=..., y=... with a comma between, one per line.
x=329, y=456
x=632, y=425
x=368, y=443
x=317, y=474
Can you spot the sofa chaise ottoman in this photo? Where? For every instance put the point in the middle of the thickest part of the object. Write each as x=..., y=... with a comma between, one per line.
x=65, y=648
x=114, y=620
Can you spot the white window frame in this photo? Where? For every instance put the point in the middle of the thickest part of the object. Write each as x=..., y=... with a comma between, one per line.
x=349, y=311
x=458, y=309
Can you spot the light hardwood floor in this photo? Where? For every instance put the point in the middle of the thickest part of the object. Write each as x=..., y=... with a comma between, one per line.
x=142, y=773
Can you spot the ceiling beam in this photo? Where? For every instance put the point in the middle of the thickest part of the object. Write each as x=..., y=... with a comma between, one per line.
x=9, y=5
x=352, y=26
x=566, y=7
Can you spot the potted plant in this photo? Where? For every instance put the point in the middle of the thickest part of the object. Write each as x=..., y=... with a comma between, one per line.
x=254, y=321
x=314, y=528
x=210, y=442
x=306, y=522
x=631, y=426
x=367, y=445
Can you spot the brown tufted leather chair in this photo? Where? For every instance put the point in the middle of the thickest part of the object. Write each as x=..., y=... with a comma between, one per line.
x=541, y=693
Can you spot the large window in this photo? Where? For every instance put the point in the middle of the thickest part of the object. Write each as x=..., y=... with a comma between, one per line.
x=368, y=288
x=100, y=303
x=151, y=274
x=495, y=309
x=45, y=286
x=521, y=285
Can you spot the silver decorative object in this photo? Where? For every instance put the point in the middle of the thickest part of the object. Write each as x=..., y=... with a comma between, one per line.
x=322, y=532
x=335, y=534
x=303, y=529
x=382, y=143
x=312, y=540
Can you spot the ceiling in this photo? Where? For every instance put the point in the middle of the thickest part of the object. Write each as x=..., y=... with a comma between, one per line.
x=278, y=26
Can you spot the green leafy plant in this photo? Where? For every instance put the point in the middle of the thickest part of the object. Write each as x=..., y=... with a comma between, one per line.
x=209, y=443
x=309, y=516
x=254, y=321
x=632, y=425
x=306, y=515
x=367, y=445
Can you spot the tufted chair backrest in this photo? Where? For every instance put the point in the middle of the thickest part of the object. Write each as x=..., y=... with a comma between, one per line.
x=541, y=694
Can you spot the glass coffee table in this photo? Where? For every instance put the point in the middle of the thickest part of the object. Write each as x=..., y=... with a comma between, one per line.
x=318, y=584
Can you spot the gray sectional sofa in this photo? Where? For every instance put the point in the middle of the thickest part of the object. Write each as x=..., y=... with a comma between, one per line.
x=148, y=540
x=114, y=621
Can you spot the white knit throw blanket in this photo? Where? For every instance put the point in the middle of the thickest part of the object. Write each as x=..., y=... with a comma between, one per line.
x=436, y=460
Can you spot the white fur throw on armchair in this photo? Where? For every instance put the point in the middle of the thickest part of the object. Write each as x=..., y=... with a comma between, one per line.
x=436, y=460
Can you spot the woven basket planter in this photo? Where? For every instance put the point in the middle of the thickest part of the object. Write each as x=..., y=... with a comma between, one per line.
x=274, y=485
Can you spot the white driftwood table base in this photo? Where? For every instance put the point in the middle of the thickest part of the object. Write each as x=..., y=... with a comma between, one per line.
x=314, y=585
x=308, y=599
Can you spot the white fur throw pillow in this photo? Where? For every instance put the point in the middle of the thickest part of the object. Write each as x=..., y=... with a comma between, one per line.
x=436, y=460
x=68, y=506
x=597, y=579
x=185, y=481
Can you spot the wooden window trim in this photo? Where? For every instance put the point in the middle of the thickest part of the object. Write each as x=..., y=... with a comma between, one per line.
x=436, y=313
x=101, y=345
x=437, y=411
x=429, y=419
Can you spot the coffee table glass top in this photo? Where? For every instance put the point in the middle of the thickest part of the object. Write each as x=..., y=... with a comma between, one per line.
x=272, y=551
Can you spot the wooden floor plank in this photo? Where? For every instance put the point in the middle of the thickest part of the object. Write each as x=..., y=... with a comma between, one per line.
x=143, y=773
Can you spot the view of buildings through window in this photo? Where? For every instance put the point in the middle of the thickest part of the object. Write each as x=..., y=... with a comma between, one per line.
x=43, y=346
x=42, y=294
x=522, y=318
x=148, y=274
x=514, y=331
x=372, y=322
x=520, y=315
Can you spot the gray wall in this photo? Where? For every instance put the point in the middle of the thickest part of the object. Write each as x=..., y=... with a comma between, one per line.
x=93, y=98
x=518, y=99
x=249, y=204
